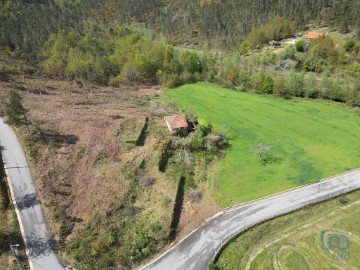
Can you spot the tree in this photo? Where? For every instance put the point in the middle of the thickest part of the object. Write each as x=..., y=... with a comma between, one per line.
x=262, y=150
x=295, y=85
x=15, y=111
x=310, y=87
x=279, y=28
x=279, y=86
x=263, y=83
x=300, y=45
x=324, y=48
x=191, y=62
x=349, y=45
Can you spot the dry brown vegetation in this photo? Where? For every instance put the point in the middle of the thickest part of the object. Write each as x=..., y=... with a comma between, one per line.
x=93, y=177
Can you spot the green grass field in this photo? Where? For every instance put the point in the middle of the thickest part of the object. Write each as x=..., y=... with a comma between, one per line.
x=295, y=241
x=310, y=139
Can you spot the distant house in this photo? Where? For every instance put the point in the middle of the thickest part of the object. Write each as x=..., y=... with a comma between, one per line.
x=312, y=35
x=177, y=123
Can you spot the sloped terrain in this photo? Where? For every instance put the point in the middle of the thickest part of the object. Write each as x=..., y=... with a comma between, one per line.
x=94, y=154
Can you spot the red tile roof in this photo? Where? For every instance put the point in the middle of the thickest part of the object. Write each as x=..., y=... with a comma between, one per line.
x=313, y=35
x=176, y=121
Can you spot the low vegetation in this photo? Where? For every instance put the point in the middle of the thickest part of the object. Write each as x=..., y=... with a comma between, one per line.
x=309, y=140
x=300, y=240
x=9, y=228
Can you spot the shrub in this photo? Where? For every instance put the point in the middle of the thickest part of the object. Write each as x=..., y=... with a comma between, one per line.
x=311, y=87
x=191, y=62
x=300, y=45
x=262, y=83
x=146, y=181
x=349, y=45
x=294, y=85
x=195, y=195
x=279, y=86
x=343, y=199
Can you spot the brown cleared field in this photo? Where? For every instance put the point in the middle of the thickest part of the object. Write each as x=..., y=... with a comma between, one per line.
x=85, y=161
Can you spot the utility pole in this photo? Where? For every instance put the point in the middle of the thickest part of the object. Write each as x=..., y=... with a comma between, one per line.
x=14, y=249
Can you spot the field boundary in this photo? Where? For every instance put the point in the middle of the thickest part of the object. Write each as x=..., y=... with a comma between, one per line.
x=274, y=195
x=230, y=209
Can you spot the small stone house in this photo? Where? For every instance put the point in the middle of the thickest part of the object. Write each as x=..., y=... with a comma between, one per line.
x=177, y=123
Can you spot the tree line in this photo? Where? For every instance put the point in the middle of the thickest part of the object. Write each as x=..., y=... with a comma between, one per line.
x=116, y=55
x=226, y=23
x=26, y=25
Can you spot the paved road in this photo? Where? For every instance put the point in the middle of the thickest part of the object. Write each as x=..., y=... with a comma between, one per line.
x=27, y=204
x=199, y=248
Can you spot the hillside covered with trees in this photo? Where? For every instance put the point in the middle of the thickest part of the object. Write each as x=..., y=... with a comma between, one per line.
x=26, y=25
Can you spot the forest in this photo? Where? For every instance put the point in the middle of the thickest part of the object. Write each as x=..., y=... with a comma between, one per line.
x=27, y=24
x=113, y=42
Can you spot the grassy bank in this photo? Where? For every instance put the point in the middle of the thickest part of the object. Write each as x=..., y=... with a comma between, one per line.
x=9, y=228
x=310, y=139
x=295, y=241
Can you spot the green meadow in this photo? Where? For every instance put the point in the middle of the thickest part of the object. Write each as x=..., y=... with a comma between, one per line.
x=310, y=139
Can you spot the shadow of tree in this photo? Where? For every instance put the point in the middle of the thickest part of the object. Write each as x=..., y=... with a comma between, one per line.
x=27, y=201
x=166, y=153
x=39, y=246
x=272, y=159
x=56, y=139
x=142, y=137
x=177, y=209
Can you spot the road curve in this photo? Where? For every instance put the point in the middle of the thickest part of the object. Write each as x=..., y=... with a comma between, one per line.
x=28, y=208
x=200, y=247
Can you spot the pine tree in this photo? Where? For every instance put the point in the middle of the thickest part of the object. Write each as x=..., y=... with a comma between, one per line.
x=15, y=110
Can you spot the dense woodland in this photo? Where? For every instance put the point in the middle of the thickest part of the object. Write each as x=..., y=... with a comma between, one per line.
x=27, y=24
x=111, y=42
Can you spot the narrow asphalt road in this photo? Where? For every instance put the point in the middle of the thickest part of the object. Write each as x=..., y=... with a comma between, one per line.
x=200, y=247
x=28, y=208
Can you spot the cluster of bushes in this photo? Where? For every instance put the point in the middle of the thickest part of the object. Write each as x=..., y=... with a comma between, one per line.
x=298, y=85
x=278, y=28
x=118, y=55
x=302, y=70
x=323, y=54
x=191, y=155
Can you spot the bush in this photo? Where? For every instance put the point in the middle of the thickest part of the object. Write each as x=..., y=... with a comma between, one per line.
x=262, y=83
x=191, y=62
x=311, y=87
x=294, y=85
x=300, y=45
x=195, y=195
x=343, y=199
x=279, y=86
x=349, y=45
x=197, y=140
x=262, y=150
x=146, y=181
x=314, y=63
